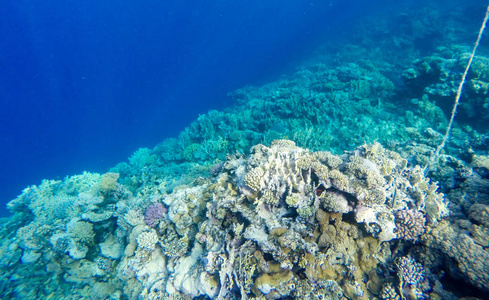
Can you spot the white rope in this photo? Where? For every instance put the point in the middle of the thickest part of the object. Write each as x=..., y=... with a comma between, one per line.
x=461, y=85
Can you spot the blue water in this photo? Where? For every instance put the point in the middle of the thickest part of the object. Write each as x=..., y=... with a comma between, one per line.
x=86, y=83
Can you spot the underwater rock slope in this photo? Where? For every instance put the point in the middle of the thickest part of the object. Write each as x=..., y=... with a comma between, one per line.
x=245, y=204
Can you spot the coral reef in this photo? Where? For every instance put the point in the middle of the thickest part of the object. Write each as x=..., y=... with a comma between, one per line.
x=436, y=78
x=216, y=213
x=464, y=241
x=247, y=203
x=282, y=222
x=471, y=259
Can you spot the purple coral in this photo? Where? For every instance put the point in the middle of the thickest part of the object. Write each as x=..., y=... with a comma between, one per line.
x=154, y=213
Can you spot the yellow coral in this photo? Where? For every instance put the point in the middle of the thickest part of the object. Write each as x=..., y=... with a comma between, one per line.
x=108, y=183
x=253, y=177
x=269, y=198
x=340, y=181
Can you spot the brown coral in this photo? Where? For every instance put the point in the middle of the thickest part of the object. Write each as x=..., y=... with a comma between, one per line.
x=410, y=224
x=472, y=259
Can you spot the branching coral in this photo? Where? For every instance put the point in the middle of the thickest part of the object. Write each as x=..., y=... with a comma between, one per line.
x=410, y=224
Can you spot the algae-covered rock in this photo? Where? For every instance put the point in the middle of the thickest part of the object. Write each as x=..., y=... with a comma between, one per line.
x=111, y=247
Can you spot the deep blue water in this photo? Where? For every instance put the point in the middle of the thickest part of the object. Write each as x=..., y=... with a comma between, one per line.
x=83, y=84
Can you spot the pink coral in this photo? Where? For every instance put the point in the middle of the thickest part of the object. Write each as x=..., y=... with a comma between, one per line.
x=154, y=213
